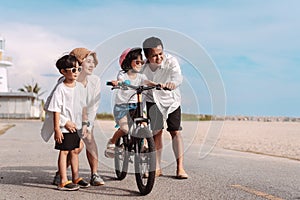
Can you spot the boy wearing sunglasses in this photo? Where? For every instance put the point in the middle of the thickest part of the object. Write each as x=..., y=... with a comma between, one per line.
x=88, y=61
x=69, y=101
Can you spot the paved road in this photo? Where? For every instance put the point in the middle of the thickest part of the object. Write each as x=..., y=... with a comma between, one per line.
x=27, y=165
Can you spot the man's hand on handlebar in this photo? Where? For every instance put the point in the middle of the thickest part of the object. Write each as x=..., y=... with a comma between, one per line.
x=166, y=86
x=169, y=85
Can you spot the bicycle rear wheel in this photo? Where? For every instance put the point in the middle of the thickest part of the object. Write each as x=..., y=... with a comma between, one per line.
x=121, y=158
x=144, y=161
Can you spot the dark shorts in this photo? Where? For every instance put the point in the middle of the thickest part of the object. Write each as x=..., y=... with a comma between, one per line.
x=70, y=142
x=156, y=118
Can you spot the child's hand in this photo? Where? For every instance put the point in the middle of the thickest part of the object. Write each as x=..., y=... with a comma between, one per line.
x=71, y=126
x=115, y=83
x=58, y=136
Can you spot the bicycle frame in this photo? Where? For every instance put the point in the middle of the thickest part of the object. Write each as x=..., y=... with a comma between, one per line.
x=145, y=162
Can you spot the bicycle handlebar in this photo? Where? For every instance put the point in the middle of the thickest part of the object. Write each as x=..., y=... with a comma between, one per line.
x=126, y=83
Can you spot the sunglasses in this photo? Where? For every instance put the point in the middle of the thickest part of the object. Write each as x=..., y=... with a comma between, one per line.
x=139, y=62
x=74, y=69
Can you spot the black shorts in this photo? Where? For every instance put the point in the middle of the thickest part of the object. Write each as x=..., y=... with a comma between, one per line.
x=156, y=118
x=70, y=142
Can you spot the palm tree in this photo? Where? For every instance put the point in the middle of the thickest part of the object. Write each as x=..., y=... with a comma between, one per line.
x=33, y=88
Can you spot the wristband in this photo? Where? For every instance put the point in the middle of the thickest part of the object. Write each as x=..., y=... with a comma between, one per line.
x=86, y=123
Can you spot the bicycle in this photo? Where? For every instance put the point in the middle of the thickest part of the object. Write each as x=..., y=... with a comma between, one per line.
x=131, y=144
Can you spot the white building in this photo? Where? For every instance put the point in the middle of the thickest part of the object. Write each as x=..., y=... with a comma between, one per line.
x=15, y=104
x=4, y=63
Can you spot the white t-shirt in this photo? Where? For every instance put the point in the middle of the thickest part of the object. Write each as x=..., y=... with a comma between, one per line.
x=169, y=71
x=69, y=102
x=93, y=98
x=128, y=96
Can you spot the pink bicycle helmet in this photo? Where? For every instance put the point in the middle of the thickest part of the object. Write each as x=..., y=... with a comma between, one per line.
x=127, y=56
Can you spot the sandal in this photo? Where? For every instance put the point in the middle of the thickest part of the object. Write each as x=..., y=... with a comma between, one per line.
x=82, y=183
x=110, y=150
x=158, y=173
x=68, y=186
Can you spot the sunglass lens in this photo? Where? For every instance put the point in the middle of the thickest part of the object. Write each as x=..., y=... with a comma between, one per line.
x=73, y=70
x=79, y=69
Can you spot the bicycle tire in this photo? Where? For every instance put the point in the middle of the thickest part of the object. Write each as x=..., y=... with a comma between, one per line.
x=145, y=162
x=121, y=158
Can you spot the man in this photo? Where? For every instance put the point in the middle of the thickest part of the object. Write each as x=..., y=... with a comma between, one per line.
x=162, y=104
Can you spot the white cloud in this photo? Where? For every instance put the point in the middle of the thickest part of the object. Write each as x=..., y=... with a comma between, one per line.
x=34, y=51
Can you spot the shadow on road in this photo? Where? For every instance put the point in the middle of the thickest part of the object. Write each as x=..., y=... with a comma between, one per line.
x=19, y=175
x=41, y=177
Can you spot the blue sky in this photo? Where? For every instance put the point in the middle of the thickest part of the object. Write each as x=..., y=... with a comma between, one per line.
x=253, y=44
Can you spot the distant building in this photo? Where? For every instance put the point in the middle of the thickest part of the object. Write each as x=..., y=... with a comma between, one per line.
x=19, y=105
x=15, y=104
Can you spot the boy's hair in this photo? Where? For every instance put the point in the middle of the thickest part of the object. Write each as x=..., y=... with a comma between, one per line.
x=133, y=54
x=151, y=43
x=67, y=61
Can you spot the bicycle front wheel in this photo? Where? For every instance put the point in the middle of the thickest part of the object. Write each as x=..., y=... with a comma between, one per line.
x=121, y=157
x=145, y=161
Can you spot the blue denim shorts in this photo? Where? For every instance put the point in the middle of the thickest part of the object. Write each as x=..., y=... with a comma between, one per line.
x=126, y=109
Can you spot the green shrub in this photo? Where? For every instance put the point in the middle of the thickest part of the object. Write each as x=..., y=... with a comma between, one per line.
x=105, y=116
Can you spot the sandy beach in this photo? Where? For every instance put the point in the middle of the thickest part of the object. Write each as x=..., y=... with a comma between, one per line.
x=271, y=138
x=280, y=139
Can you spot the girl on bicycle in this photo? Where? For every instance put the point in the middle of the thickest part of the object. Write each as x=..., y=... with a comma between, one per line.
x=131, y=62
